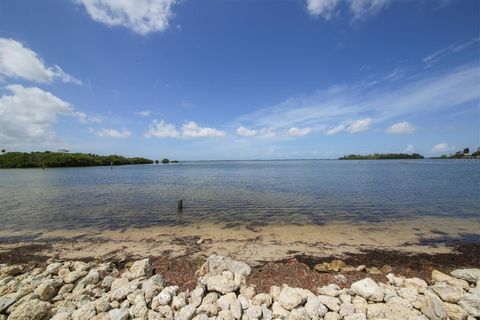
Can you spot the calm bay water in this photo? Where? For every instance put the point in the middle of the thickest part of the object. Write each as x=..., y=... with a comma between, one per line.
x=250, y=192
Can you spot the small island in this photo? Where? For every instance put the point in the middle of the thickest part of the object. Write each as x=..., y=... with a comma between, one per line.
x=48, y=159
x=382, y=156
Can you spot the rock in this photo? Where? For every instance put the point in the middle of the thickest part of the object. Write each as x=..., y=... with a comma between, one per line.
x=186, y=313
x=119, y=314
x=374, y=270
x=65, y=289
x=7, y=300
x=248, y=291
x=80, y=266
x=289, y=298
x=275, y=292
x=30, y=310
x=222, y=283
x=356, y=316
x=266, y=313
x=433, y=307
x=470, y=275
x=196, y=296
x=225, y=315
x=395, y=309
x=152, y=287
x=298, y=313
x=447, y=292
x=140, y=268
x=411, y=295
x=346, y=309
x=102, y=305
x=337, y=265
x=416, y=283
x=121, y=288
x=11, y=270
x=332, y=316
x=330, y=302
x=455, y=312
x=62, y=316
x=165, y=312
x=360, y=304
x=279, y=312
x=322, y=267
x=139, y=308
x=45, y=292
x=199, y=241
x=85, y=312
x=73, y=276
x=315, y=309
x=440, y=276
x=331, y=290
x=92, y=277
x=396, y=281
x=107, y=282
x=471, y=303
x=262, y=298
x=217, y=264
x=254, y=312
x=53, y=267
x=179, y=301
x=368, y=289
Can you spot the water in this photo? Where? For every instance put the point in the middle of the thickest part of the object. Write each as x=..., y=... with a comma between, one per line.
x=230, y=192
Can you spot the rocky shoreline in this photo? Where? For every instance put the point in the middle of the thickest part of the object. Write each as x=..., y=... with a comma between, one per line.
x=78, y=290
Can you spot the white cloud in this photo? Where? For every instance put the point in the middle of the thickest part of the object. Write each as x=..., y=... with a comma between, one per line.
x=324, y=8
x=17, y=61
x=84, y=118
x=359, y=126
x=191, y=130
x=245, y=132
x=334, y=109
x=112, y=133
x=299, y=132
x=140, y=16
x=403, y=127
x=144, y=113
x=447, y=51
x=409, y=149
x=441, y=147
x=29, y=114
x=161, y=129
x=360, y=9
x=335, y=130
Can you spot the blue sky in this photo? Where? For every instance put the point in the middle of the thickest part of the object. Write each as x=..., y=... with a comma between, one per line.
x=216, y=79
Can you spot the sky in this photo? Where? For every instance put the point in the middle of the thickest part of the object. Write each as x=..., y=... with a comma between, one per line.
x=240, y=79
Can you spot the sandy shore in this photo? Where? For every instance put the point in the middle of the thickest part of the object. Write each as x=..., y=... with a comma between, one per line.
x=250, y=244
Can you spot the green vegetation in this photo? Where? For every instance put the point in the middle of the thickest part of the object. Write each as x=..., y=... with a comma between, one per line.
x=61, y=159
x=165, y=161
x=462, y=154
x=382, y=156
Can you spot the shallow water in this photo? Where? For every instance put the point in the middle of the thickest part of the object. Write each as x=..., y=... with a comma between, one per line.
x=247, y=192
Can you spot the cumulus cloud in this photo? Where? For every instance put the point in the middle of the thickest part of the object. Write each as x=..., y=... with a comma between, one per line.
x=409, y=149
x=192, y=130
x=360, y=9
x=140, y=16
x=161, y=129
x=441, y=147
x=144, y=113
x=403, y=127
x=20, y=62
x=84, y=118
x=299, y=132
x=28, y=115
x=245, y=132
x=359, y=126
x=351, y=127
x=324, y=8
x=112, y=133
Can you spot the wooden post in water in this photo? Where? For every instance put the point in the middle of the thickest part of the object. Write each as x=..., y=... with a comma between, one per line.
x=180, y=205
x=111, y=165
